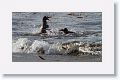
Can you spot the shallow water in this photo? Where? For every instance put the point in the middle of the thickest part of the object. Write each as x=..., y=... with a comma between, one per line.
x=86, y=25
x=54, y=58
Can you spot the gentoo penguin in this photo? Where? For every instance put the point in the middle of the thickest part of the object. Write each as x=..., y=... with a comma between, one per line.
x=44, y=24
x=65, y=30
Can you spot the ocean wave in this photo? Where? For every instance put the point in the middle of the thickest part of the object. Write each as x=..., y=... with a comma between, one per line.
x=24, y=45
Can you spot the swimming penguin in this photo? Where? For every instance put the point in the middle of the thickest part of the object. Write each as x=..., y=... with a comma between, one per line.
x=65, y=30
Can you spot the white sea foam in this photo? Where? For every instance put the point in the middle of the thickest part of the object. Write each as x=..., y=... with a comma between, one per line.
x=56, y=49
x=50, y=32
x=23, y=45
x=38, y=45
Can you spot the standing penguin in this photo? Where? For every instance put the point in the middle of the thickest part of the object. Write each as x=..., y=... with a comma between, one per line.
x=44, y=24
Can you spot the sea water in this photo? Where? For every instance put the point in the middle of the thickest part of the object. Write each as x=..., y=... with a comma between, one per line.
x=26, y=29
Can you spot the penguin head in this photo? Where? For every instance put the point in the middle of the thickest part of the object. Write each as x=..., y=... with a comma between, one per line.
x=46, y=18
x=65, y=30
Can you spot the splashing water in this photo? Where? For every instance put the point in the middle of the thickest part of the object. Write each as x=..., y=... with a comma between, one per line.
x=23, y=45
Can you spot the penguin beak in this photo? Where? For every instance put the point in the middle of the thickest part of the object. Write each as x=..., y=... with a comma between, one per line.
x=48, y=18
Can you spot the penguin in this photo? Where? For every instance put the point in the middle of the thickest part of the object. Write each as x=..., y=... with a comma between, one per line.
x=44, y=26
x=66, y=31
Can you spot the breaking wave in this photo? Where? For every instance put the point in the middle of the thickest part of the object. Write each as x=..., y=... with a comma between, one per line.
x=24, y=45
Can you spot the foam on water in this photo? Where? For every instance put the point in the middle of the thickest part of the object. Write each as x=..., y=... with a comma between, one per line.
x=56, y=49
x=38, y=45
x=50, y=32
x=23, y=45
